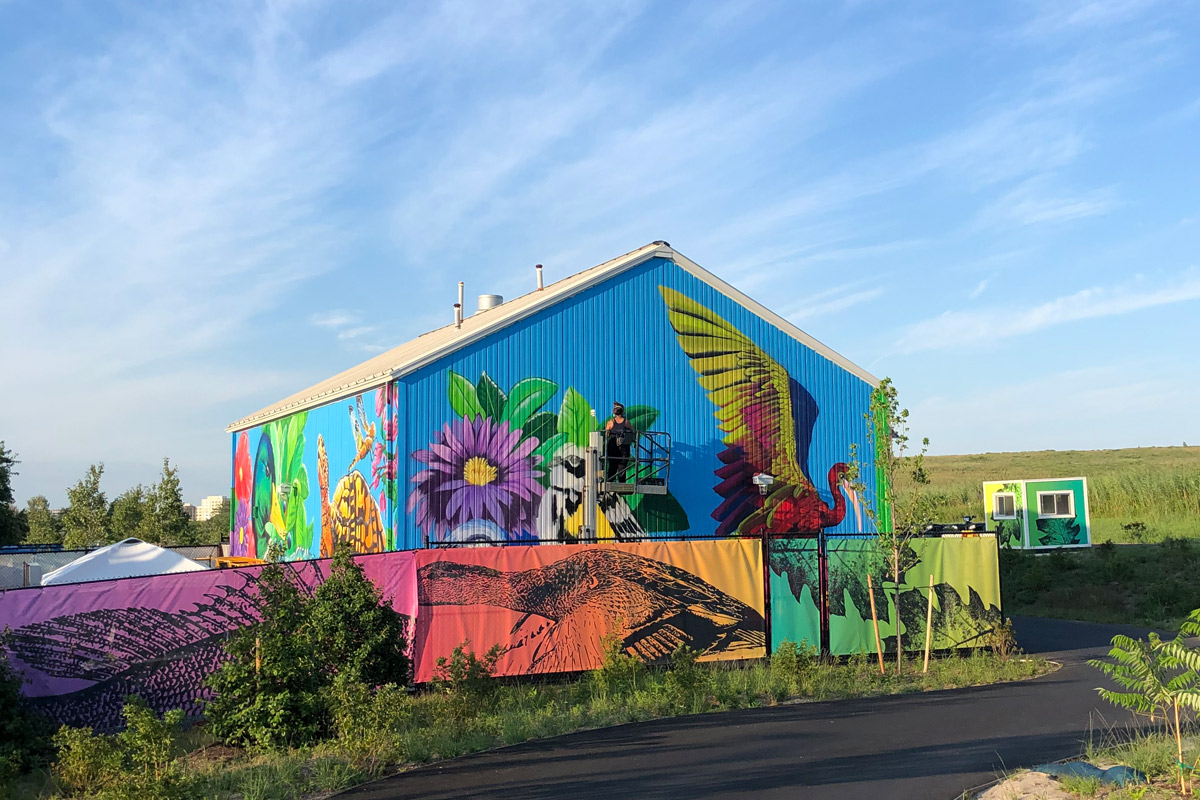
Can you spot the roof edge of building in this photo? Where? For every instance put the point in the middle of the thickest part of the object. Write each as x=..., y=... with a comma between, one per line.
x=549, y=296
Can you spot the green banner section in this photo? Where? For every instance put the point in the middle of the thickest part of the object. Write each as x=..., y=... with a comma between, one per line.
x=794, y=586
x=966, y=592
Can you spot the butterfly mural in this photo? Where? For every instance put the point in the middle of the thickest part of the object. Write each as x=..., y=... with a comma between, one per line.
x=767, y=418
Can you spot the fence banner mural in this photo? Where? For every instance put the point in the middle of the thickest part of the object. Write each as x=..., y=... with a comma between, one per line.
x=84, y=648
x=966, y=601
x=551, y=607
x=795, y=590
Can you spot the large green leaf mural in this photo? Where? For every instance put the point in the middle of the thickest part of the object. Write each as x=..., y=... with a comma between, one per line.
x=1059, y=532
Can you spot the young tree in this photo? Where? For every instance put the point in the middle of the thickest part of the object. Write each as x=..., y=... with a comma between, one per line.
x=165, y=522
x=85, y=520
x=901, y=510
x=12, y=522
x=44, y=525
x=127, y=513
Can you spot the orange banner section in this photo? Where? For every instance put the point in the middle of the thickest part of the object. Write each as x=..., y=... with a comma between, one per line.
x=551, y=607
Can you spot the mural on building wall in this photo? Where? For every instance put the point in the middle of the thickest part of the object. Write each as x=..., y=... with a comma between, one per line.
x=767, y=419
x=277, y=515
x=1063, y=523
x=966, y=591
x=551, y=608
x=1010, y=532
x=505, y=469
x=84, y=648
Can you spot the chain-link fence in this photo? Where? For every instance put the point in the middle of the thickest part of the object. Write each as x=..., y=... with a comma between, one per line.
x=27, y=569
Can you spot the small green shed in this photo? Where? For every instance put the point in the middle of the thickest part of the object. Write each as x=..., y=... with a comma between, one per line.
x=1036, y=514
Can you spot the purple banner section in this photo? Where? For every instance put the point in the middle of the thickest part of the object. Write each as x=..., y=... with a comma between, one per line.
x=83, y=648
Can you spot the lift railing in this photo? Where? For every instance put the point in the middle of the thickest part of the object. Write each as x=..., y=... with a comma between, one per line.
x=647, y=470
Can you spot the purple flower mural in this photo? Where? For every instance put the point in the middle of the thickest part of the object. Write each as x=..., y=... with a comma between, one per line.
x=477, y=470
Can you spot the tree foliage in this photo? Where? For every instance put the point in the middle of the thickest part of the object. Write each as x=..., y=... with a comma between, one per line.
x=85, y=520
x=215, y=529
x=275, y=688
x=23, y=733
x=1160, y=680
x=44, y=524
x=165, y=522
x=126, y=514
x=12, y=521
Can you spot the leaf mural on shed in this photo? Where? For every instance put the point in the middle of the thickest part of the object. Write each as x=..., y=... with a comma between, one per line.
x=1059, y=532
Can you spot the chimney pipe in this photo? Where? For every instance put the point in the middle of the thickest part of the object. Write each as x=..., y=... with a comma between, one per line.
x=458, y=307
x=541, y=284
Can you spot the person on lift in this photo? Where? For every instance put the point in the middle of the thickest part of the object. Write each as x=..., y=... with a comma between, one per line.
x=618, y=434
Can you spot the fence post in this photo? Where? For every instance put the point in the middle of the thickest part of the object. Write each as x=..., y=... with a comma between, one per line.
x=875, y=622
x=928, y=624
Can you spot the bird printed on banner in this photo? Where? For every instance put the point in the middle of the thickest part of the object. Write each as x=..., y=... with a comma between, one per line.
x=560, y=514
x=572, y=606
x=767, y=419
x=364, y=432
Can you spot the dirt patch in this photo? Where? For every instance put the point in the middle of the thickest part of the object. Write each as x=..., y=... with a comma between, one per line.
x=1028, y=786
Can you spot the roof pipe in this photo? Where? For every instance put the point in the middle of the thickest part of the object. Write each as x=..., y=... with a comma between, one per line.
x=541, y=282
x=458, y=307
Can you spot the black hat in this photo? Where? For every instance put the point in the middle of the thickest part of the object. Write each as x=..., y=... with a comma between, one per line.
x=618, y=408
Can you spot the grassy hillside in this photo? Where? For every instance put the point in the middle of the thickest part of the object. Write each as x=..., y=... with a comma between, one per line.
x=1157, y=486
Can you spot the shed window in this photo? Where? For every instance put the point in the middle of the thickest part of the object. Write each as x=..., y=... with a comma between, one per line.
x=1004, y=505
x=1056, y=504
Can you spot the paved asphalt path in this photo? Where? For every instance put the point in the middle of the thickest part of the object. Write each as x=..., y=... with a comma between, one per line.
x=920, y=746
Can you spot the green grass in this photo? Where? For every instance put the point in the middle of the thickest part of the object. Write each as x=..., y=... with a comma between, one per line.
x=394, y=731
x=1157, y=486
x=1152, y=584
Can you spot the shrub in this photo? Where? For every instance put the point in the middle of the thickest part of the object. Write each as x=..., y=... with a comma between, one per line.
x=354, y=631
x=138, y=762
x=686, y=679
x=791, y=660
x=1002, y=640
x=275, y=688
x=466, y=678
x=268, y=692
x=24, y=735
x=368, y=722
x=619, y=671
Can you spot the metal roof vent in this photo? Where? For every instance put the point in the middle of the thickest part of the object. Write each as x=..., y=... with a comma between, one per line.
x=489, y=301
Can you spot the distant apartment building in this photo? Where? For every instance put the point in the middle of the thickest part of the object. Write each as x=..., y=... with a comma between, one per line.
x=190, y=510
x=209, y=506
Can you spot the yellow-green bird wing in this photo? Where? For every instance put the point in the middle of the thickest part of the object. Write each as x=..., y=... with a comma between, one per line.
x=750, y=389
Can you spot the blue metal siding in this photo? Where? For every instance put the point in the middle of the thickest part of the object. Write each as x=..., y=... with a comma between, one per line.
x=615, y=342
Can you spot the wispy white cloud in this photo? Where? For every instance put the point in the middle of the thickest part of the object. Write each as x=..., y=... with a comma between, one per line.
x=979, y=288
x=335, y=318
x=830, y=301
x=1036, y=201
x=967, y=328
x=1053, y=17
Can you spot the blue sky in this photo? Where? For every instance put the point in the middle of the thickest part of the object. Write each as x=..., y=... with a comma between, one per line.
x=206, y=207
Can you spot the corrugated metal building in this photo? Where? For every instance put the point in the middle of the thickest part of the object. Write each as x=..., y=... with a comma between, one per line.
x=468, y=433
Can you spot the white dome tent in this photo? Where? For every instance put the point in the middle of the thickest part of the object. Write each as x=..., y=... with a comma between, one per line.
x=128, y=558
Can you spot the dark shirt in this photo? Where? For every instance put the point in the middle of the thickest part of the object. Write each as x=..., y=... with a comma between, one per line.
x=620, y=435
